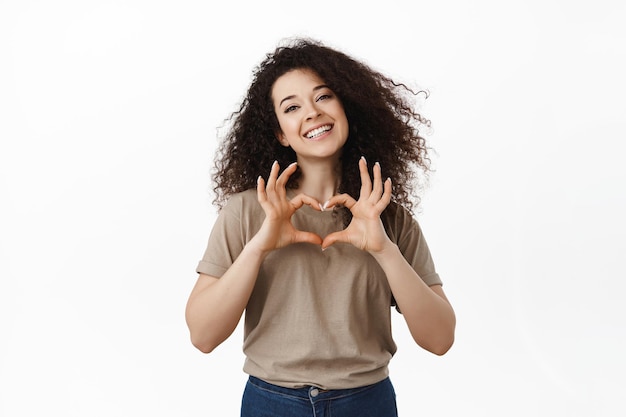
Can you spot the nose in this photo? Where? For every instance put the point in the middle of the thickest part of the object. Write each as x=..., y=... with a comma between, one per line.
x=312, y=112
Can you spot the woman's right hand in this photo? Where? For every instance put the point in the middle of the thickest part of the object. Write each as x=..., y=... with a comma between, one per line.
x=277, y=230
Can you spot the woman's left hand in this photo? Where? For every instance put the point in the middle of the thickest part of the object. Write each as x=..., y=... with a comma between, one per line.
x=366, y=230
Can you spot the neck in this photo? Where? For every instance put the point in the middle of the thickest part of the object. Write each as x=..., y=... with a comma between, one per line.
x=319, y=181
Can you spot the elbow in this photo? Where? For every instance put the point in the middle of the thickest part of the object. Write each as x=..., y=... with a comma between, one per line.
x=438, y=348
x=442, y=348
x=202, y=338
x=207, y=338
x=204, y=348
x=438, y=343
x=444, y=340
x=204, y=345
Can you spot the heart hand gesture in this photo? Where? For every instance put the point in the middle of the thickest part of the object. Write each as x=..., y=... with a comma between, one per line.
x=277, y=230
x=366, y=230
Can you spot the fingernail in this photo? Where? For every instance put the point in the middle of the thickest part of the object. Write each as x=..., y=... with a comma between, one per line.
x=363, y=158
x=377, y=163
x=325, y=204
x=321, y=206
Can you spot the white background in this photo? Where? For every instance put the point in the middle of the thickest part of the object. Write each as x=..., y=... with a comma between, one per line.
x=108, y=118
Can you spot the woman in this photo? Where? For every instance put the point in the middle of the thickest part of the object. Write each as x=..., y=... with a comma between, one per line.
x=316, y=254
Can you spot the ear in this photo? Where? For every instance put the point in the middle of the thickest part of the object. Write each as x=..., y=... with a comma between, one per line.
x=281, y=139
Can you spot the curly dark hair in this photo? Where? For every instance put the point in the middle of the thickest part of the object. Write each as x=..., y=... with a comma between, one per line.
x=383, y=125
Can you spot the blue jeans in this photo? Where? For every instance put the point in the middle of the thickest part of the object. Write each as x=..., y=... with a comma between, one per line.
x=261, y=399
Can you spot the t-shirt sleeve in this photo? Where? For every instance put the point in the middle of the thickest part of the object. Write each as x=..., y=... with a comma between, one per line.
x=412, y=243
x=226, y=240
x=406, y=232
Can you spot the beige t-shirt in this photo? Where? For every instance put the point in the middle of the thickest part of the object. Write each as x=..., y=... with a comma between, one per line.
x=316, y=317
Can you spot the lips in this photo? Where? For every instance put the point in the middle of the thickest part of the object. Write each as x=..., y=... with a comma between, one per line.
x=318, y=131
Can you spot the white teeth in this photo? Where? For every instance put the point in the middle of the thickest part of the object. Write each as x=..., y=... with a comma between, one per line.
x=316, y=132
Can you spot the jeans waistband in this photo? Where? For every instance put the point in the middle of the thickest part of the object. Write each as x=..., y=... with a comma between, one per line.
x=309, y=391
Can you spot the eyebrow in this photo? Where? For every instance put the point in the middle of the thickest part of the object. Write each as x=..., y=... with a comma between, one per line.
x=319, y=87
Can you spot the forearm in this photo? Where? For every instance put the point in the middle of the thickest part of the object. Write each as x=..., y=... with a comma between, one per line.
x=214, y=310
x=429, y=316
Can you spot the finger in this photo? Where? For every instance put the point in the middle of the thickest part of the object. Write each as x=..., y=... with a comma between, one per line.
x=386, y=197
x=283, y=178
x=301, y=199
x=335, y=237
x=366, y=182
x=377, y=190
x=307, y=237
x=271, y=181
x=342, y=199
x=260, y=190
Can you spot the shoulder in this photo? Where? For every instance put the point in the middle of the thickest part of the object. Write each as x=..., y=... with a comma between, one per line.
x=241, y=202
x=397, y=215
x=399, y=222
x=240, y=217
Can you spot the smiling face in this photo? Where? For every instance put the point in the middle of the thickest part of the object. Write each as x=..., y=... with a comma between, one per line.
x=311, y=117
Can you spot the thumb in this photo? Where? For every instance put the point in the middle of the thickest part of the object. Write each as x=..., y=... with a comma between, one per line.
x=335, y=237
x=307, y=237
